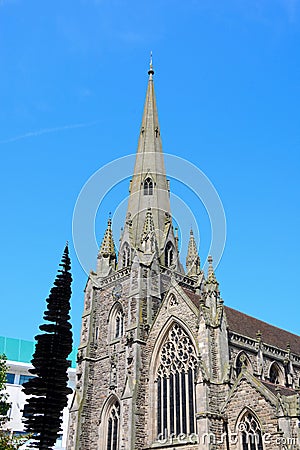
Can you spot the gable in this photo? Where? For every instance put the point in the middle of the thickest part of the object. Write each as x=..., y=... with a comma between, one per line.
x=248, y=391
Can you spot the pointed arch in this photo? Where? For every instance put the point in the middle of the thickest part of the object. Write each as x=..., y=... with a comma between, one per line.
x=116, y=322
x=125, y=255
x=161, y=338
x=276, y=374
x=148, y=186
x=249, y=429
x=242, y=361
x=109, y=424
x=169, y=254
x=172, y=381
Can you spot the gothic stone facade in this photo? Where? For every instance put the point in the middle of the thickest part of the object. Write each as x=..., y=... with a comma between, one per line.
x=162, y=362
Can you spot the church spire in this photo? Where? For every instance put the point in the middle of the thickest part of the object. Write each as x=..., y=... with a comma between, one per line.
x=192, y=259
x=108, y=246
x=107, y=253
x=149, y=186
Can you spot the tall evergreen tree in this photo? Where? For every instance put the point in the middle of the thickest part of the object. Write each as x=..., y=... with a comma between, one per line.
x=48, y=388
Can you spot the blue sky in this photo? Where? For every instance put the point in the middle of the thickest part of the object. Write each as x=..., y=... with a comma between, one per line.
x=72, y=86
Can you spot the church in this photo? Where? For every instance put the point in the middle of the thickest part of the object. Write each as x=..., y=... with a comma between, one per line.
x=163, y=363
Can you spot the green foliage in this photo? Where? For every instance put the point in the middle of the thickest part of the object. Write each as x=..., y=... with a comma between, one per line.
x=48, y=389
x=7, y=440
x=10, y=442
x=4, y=405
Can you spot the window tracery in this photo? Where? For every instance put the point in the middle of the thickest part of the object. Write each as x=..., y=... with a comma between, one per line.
x=251, y=436
x=112, y=439
x=176, y=385
x=173, y=300
x=148, y=186
x=116, y=322
x=242, y=362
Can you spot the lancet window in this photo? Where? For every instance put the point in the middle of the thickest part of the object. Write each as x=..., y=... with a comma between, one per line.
x=126, y=255
x=169, y=254
x=113, y=426
x=176, y=385
x=251, y=436
x=119, y=324
x=148, y=186
x=242, y=362
x=275, y=374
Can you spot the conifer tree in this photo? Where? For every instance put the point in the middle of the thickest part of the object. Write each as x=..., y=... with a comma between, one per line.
x=48, y=389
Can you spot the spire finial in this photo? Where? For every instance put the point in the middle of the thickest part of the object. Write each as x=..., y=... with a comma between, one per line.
x=107, y=246
x=192, y=259
x=151, y=71
x=211, y=273
x=109, y=220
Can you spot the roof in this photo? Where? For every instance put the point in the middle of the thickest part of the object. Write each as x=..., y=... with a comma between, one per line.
x=192, y=296
x=249, y=326
x=245, y=325
x=277, y=389
x=22, y=351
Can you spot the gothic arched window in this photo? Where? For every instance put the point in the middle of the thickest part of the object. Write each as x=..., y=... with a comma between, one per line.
x=169, y=254
x=275, y=374
x=148, y=186
x=116, y=322
x=251, y=436
x=242, y=361
x=113, y=426
x=126, y=256
x=119, y=324
x=175, y=380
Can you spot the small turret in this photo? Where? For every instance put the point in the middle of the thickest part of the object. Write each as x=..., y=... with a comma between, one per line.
x=193, y=259
x=107, y=254
x=211, y=294
x=211, y=282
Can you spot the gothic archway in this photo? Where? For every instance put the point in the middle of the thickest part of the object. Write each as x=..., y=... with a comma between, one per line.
x=116, y=322
x=242, y=362
x=148, y=186
x=109, y=430
x=125, y=255
x=276, y=374
x=249, y=431
x=175, y=384
x=169, y=254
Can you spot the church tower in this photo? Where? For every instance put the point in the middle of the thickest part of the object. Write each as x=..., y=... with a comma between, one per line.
x=139, y=370
x=162, y=363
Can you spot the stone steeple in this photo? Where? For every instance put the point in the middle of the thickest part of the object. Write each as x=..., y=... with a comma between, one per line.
x=192, y=259
x=149, y=188
x=106, y=260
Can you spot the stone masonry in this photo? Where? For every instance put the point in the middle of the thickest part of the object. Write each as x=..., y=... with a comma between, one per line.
x=162, y=362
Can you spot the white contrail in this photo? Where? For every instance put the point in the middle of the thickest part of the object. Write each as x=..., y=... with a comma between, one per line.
x=48, y=130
